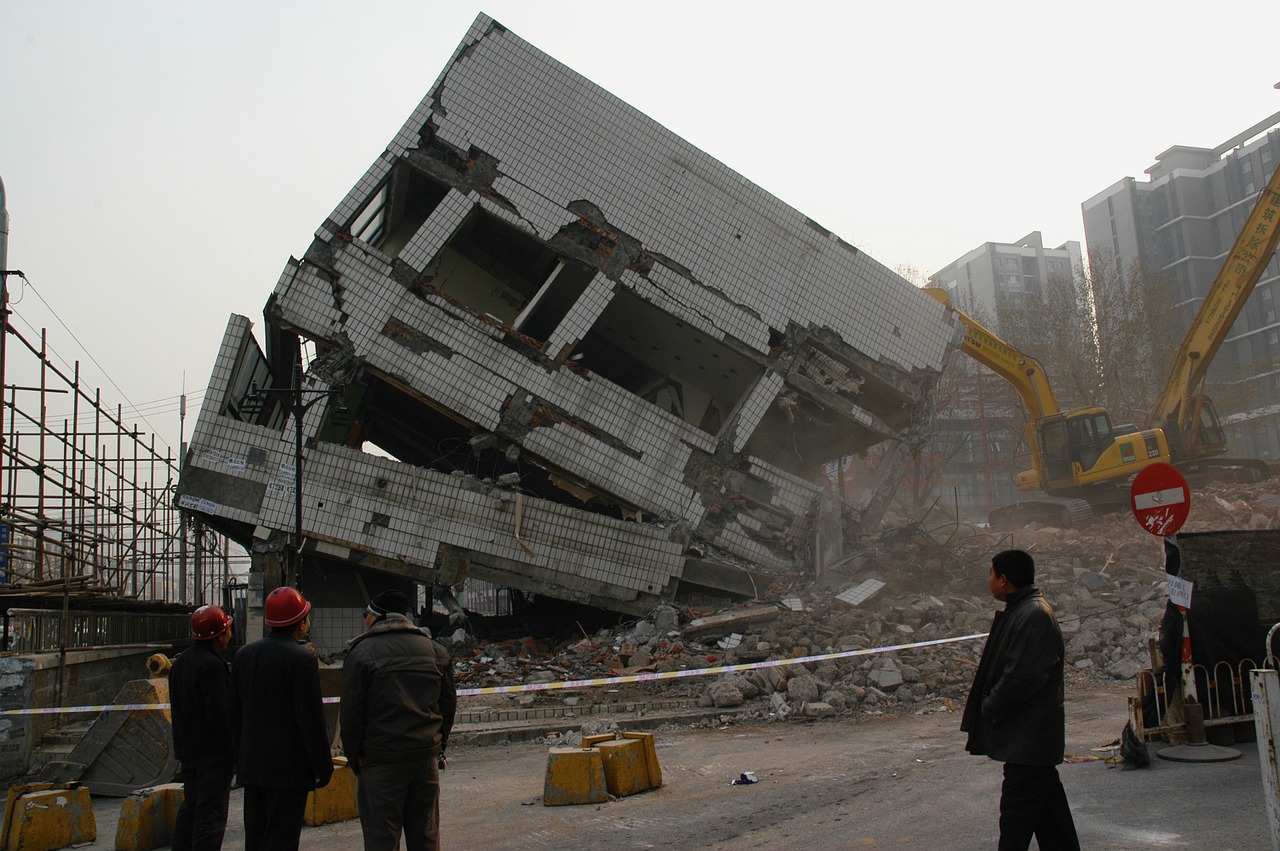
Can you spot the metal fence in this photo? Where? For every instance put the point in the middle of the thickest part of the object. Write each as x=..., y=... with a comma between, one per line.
x=42, y=631
x=1223, y=690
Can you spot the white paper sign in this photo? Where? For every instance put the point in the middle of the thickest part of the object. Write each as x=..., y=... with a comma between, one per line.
x=1180, y=592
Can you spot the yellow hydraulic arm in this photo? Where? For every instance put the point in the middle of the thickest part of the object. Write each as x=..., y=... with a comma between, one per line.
x=1177, y=407
x=1021, y=370
x=1075, y=453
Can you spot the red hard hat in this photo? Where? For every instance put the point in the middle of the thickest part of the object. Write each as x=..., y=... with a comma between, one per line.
x=209, y=622
x=285, y=606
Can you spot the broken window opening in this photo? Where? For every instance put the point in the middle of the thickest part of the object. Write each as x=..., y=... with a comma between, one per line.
x=799, y=435
x=497, y=269
x=553, y=301
x=667, y=362
x=249, y=373
x=398, y=209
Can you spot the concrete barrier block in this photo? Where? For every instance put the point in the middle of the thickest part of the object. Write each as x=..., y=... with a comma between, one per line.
x=147, y=818
x=625, y=770
x=574, y=776
x=53, y=817
x=336, y=801
x=650, y=756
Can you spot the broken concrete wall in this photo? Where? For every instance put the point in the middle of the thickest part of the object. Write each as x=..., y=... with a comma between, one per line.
x=590, y=351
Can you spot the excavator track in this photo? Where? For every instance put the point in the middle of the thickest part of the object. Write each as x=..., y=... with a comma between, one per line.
x=1224, y=470
x=1062, y=512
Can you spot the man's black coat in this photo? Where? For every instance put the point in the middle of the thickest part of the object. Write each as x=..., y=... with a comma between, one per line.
x=277, y=716
x=1015, y=709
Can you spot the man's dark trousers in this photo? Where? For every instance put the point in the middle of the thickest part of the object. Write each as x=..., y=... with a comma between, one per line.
x=1033, y=802
x=202, y=818
x=273, y=818
x=407, y=795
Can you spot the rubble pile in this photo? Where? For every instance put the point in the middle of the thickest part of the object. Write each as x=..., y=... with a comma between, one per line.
x=1106, y=582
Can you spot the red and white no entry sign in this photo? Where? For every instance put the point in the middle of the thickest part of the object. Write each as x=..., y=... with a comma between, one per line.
x=1160, y=499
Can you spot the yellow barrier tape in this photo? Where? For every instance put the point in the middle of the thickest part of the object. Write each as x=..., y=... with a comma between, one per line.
x=564, y=684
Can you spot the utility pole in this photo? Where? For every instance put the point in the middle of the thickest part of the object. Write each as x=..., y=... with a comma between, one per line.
x=294, y=399
x=5, y=272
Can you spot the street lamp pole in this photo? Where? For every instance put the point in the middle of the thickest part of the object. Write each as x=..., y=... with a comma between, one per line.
x=294, y=570
x=297, y=405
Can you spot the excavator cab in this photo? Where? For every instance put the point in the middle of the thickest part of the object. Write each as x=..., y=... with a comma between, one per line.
x=1081, y=448
x=1208, y=436
x=1072, y=443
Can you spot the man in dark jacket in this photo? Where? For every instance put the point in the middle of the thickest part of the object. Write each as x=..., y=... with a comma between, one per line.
x=277, y=721
x=398, y=705
x=202, y=732
x=1015, y=714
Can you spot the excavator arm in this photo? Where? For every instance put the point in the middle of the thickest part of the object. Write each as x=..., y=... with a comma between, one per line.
x=1179, y=407
x=1020, y=370
x=1077, y=455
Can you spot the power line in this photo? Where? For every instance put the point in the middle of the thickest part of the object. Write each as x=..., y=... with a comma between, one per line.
x=134, y=408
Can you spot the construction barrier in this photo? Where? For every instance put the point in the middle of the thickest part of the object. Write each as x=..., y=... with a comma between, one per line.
x=337, y=800
x=575, y=776
x=630, y=763
x=45, y=816
x=604, y=768
x=147, y=818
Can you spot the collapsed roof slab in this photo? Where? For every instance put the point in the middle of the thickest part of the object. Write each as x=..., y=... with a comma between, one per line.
x=606, y=350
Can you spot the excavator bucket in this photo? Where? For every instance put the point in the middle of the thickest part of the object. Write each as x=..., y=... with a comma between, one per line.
x=125, y=749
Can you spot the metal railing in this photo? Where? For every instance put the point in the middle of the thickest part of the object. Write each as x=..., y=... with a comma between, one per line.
x=1223, y=690
x=43, y=631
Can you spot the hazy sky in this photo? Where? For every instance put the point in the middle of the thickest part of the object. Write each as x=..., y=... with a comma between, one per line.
x=162, y=160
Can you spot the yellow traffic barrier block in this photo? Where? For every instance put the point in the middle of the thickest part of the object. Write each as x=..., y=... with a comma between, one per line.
x=650, y=757
x=574, y=776
x=625, y=772
x=45, y=816
x=337, y=800
x=147, y=818
x=630, y=763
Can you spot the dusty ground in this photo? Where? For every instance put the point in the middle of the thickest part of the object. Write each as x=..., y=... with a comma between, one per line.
x=888, y=781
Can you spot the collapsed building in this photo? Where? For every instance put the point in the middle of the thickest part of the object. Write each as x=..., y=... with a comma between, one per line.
x=548, y=344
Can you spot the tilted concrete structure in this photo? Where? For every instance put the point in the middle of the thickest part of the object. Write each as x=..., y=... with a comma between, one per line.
x=596, y=360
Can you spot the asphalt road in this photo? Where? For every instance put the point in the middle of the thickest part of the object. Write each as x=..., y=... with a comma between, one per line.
x=877, y=782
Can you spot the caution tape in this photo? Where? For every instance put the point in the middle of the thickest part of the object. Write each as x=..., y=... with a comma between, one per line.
x=566, y=684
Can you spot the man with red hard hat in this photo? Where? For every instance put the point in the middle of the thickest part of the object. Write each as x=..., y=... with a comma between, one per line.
x=277, y=723
x=202, y=732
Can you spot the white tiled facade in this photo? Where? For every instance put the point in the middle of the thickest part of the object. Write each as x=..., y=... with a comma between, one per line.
x=591, y=348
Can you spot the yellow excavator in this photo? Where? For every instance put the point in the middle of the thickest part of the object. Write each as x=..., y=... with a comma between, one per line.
x=1080, y=459
x=1182, y=410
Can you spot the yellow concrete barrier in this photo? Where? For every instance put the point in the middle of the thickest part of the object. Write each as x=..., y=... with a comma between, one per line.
x=630, y=763
x=45, y=816
x=337, y=800
x=650, y=757
x=147, y=818
x=574, y=776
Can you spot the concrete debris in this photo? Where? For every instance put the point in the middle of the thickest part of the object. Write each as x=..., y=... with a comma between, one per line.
x=1106, y=582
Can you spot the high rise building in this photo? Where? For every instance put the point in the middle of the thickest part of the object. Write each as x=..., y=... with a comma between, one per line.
x=1183, y=221
x=997, y=279
x=977, y=448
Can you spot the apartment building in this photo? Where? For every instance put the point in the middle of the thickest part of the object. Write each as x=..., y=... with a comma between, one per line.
x=1183, y=220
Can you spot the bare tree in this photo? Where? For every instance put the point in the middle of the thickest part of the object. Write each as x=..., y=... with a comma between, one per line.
x=1137, y=330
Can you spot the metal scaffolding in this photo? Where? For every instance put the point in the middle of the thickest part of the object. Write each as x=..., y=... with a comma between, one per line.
x=86, y=498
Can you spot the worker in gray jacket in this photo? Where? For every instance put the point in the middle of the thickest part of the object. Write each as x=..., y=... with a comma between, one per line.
x=397, y=709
